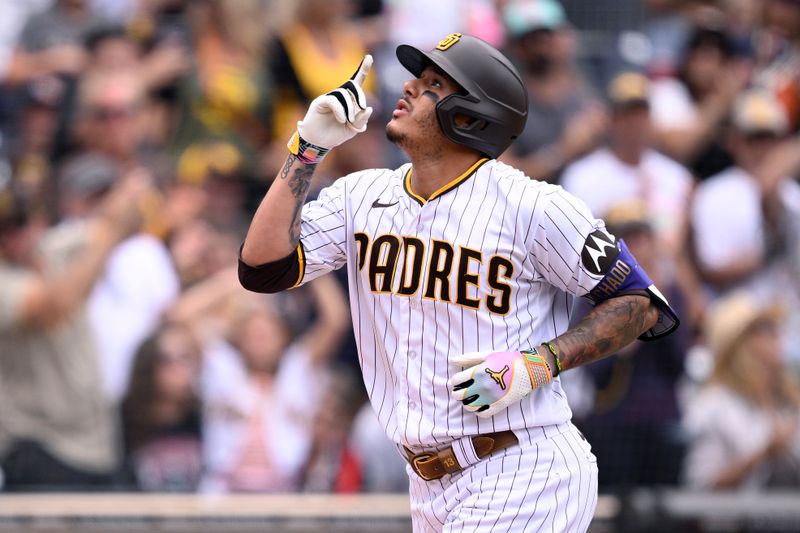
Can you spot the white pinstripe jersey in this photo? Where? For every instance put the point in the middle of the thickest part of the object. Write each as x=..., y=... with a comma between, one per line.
x=488, y=262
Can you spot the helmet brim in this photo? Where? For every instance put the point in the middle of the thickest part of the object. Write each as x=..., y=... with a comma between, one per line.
x=415, y=61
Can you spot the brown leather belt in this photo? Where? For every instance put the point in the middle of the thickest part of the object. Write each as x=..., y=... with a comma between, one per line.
x=434, y=465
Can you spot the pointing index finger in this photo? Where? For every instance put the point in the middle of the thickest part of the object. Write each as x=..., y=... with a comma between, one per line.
x=363, y=69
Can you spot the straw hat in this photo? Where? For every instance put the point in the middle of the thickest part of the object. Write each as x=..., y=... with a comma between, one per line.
x=730, y=317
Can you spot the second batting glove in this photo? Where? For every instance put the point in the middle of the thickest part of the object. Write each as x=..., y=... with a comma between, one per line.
x=494, y=380
x=333, y=118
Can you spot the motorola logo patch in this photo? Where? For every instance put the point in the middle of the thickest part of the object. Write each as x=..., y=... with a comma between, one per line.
x=599, y=252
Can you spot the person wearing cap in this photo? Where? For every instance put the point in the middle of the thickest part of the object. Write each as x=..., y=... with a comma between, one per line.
x=460, y=269
x=628, y=168
x=57, y=431
x=744, y=424
x=565, y=119
x=741, y=222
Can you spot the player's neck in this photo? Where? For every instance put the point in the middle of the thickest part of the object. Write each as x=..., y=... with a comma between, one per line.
x=431, y=174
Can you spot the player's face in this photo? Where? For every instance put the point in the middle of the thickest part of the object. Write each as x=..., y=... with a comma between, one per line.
x=414, y=124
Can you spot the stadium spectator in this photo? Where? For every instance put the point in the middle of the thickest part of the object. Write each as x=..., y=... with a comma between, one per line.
x=138, y=282
x=109, y=122
x=15, y=16
x=635, y=425
x=735, y=246
x=36, y=139
x=382, y=469
x=672, y=23
x=226, y=95
x=778, y=49
x=161, y=413
x=51, y=42
x=112, y=49
x=744, y=424
x=199, y=250
x=262, y=391
x=690, y=109
x=57, y=431
x=332, y=465
x=628, y=168
x=212, y=175
x=565, y=121
x=758, y=245
x=188, y=91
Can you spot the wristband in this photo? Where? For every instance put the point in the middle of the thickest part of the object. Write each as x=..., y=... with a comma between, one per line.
x=553, y=351
x=538, y=369
x=307, y=153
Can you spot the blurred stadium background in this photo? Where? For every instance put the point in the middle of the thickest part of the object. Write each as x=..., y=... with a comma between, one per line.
x=142, y=389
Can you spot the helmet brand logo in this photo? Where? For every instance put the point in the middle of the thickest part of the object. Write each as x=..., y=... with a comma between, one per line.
x=448, y=41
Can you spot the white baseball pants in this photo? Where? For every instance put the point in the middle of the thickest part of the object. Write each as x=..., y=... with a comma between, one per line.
x=546, y=483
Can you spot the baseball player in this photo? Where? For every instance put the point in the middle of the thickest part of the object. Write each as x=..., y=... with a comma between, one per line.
x=461, y=272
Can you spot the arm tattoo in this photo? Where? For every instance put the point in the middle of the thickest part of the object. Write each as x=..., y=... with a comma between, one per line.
x=299, y=183
x=609, y=327
x=289, y=162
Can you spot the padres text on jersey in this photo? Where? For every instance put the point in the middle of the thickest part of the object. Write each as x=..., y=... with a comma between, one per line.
x=488, y=262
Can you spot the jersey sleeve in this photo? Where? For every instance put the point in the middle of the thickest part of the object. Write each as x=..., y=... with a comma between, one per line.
x=576, y=254
x=323, y=241
x=321, y=248
x=563, y=225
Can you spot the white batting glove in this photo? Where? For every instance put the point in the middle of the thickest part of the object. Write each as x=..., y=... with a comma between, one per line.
x=495, y=380
x=333, y=118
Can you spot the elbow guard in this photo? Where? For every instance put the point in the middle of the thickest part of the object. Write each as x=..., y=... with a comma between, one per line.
x=625, y=276
x=275, y=276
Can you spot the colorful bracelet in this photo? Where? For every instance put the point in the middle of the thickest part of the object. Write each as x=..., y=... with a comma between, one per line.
x=553, y=351
x=537, y=367
x=307, y=153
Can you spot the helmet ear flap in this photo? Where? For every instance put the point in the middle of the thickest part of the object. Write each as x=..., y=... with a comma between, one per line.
x=471, y=133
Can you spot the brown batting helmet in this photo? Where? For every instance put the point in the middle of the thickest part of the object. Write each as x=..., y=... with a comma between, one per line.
x=494, y=95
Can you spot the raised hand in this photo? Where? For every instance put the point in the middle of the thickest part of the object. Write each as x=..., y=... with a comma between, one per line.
x=333, y=118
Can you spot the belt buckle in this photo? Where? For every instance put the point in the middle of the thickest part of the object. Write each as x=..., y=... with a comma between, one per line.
x=421, y=457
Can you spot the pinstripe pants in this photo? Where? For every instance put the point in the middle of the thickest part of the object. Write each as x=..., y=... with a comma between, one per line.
x=546, y=483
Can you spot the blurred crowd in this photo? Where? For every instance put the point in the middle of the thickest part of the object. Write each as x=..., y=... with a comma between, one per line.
x=138, y=136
